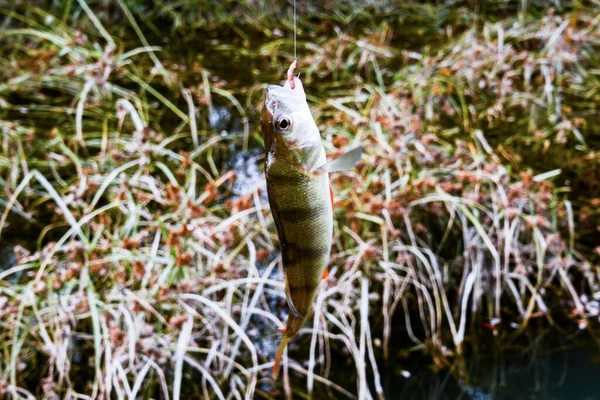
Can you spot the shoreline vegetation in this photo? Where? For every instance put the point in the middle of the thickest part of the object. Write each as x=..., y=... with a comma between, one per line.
x=143, y=259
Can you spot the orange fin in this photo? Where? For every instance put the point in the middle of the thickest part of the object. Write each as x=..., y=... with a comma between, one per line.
x=325, y=274
x=276, y=364
x=331, y=193
x=282, y=329
x=284, y=341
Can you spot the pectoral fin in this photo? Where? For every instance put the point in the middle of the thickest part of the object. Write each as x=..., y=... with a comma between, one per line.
x=344, y=162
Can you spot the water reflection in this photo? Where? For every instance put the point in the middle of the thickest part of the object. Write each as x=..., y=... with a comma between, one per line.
x=7, y=255
x=219, y=118
x=249, y=177
x=544, y=367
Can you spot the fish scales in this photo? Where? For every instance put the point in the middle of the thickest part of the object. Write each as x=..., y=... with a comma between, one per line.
x=299, y=195
x=304, y=219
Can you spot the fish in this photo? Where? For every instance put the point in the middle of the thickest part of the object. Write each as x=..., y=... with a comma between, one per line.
x=300, y=197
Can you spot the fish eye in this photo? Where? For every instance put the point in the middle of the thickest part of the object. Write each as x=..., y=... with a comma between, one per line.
x=283, y=124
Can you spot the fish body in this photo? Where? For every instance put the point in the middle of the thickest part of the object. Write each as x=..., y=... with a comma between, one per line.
x=299, y=197
x=301, y=200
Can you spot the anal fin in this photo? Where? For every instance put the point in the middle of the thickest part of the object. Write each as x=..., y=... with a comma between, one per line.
x=290, y=303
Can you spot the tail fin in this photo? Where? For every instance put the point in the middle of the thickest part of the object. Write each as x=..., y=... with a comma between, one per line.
x=294, y=324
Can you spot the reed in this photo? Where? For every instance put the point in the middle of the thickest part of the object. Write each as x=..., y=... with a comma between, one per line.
x=143, y=270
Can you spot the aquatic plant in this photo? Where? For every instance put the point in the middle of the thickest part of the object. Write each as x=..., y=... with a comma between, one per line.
x=146, y=261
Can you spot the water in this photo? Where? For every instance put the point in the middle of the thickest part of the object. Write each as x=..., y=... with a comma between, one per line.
x=543, y=367
x=17, y=239
x=7, y=256
x=249, y=177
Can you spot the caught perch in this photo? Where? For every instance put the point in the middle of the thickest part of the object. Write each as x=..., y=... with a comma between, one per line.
x=300, y=197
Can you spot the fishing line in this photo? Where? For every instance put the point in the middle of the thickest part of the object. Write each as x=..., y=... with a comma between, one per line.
x=295, y=30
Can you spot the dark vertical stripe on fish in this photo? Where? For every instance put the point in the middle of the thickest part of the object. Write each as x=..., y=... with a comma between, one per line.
x=292, y=180
x=294, y=254
x=300, y=214
x=307, y=287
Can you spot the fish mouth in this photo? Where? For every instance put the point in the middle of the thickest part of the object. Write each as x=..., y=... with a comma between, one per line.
x=273, y=98
x=275, y=91
x=271, y=89
x=284, y=98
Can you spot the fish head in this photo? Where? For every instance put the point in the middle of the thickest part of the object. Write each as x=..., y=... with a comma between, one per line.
x=286, y=121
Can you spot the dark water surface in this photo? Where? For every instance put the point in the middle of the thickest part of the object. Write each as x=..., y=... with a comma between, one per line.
x=547, y=367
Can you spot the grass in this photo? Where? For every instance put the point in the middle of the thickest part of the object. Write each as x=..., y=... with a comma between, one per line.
x=141, y=271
